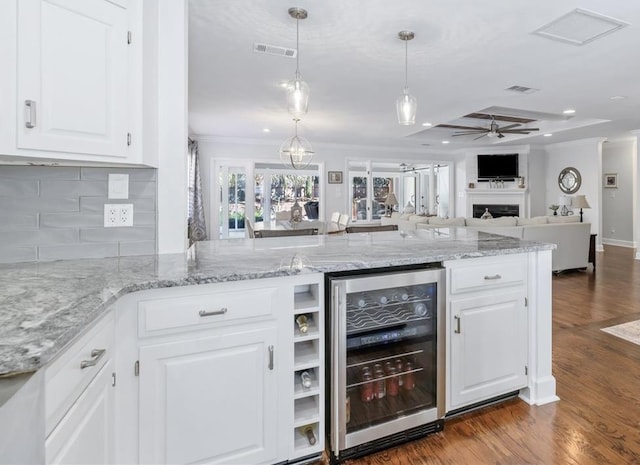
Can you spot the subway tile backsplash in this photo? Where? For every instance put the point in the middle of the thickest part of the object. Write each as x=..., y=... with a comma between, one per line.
x=55, y=213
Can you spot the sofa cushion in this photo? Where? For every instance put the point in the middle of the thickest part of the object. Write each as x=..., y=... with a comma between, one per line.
x=438, y=221
x=502, y=221
x=406, y=216
x=534, y=220
x=419, y=219
x=564, y=219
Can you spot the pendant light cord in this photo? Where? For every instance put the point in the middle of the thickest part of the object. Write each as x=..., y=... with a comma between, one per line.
x=406, y=64
x=297, y=48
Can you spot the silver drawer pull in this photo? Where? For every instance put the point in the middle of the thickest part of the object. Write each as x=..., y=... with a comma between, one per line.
x=97, y=354
x=457, y=330
x=222, y=311
x=30, y=114
x=491, y=278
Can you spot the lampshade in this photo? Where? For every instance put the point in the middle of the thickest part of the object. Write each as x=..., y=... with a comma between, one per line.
x=297, y=89
x=391, y=200
x=296, y=152
x=406, y=104
x=580, y=201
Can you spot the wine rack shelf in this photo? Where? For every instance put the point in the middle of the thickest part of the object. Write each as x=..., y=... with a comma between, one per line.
x=307, y=325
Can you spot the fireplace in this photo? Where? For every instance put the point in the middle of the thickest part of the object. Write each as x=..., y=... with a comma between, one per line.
x=496, y=210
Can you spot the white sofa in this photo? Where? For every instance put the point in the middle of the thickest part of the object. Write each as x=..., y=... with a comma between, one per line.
x=570, y=236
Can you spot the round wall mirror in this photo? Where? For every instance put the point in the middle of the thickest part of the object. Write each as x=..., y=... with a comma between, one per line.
x=569, y=180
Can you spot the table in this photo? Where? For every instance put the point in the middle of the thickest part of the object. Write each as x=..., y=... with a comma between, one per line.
x=286, y=224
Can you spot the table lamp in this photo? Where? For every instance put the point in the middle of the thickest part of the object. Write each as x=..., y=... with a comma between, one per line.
x=390, y=202
x=580, y=201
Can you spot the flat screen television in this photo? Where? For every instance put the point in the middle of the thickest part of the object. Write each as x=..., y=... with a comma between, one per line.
x=503, y=166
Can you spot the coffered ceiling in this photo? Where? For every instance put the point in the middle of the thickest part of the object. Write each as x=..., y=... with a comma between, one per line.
x=465, y=59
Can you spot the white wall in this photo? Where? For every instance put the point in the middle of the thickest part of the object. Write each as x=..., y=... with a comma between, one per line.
x=586, y=156
x=332, y=157
x=617, y=203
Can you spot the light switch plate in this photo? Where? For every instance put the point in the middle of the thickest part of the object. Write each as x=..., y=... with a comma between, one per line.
x=118, y=186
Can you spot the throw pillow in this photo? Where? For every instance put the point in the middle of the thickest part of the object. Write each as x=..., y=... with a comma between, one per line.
x=534, y=220
x=436, y=220
x=564, y=219
x=502, y=221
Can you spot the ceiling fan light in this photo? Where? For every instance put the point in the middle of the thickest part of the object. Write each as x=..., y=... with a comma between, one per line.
x=407, y=106
x=297, y=97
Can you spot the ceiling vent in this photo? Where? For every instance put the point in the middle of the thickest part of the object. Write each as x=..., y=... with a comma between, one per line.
x=274, y=50
x=522, y=89
x=580, y=27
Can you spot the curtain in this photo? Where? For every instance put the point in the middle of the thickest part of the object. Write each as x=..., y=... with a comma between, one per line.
x=197, y=228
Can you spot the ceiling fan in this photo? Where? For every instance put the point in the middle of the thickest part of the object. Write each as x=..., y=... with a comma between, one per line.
x=493, y=131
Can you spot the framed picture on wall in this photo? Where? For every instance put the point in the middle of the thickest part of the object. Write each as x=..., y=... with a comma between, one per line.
x=335, y=177
x=611, y=180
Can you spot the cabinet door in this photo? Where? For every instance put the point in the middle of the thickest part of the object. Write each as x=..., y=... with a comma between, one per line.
x=211, y=399
x=488, y=341
x=72, y=76
x=85, y=434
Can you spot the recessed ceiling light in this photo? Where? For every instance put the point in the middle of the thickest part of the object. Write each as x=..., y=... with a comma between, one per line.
x=548, y=134
x=445, y=141
x=427, y=125
x=569, y=111
x=266, y=130
x=617, y=97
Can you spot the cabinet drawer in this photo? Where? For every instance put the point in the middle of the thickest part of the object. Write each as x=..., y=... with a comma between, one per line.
x=160, y=316
x=68, y=375
x=488, y=274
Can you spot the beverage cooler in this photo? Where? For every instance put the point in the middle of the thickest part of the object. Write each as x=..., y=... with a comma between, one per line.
x=385, y=370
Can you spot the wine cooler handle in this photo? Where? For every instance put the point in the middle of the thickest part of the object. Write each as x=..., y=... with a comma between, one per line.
x=271, y=357
x=492, y=278
x=30, y=114
x=457, y=330
x=222, y=311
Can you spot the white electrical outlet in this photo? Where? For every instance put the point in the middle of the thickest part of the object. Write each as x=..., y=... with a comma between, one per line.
x=118, y=215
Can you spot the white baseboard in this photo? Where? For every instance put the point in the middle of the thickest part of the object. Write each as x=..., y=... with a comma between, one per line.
x=619, y=243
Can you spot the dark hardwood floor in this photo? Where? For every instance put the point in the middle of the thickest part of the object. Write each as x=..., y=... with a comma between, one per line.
x=596, y=421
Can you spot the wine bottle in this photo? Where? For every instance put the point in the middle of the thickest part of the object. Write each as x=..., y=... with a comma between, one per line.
x=303, y=323
x=420, y=309
x=305, y=379
x=308, y=432
x=399, y=294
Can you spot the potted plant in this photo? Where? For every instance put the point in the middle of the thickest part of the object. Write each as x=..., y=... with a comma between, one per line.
x=555, y=209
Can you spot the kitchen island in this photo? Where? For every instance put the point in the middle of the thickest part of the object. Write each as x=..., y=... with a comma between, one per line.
x=48, y=306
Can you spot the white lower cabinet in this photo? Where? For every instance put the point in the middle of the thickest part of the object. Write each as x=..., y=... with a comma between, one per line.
x=85, y=434
x=210, y=399
x=487, y=329
x=213, y=373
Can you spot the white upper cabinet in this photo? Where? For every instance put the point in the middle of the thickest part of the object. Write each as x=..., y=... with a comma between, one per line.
x=74, y=90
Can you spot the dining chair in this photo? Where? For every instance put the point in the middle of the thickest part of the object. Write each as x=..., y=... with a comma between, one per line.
x=343, y=221
x=259, y=234
x=371, y=228
x=250, y=230
x=335, y=217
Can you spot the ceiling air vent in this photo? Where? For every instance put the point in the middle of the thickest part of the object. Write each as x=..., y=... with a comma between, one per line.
x=522, y=89
x=579, y=27
x=274, y=50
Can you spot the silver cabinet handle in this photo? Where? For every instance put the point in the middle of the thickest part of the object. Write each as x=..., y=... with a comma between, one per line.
x=270, y=357
x=491, y=278
x=222, y=311
x=97, y=354
x=30, y=114
x=457, y=330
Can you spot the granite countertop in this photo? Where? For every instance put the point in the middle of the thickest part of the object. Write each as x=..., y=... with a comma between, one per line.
x=43, y=306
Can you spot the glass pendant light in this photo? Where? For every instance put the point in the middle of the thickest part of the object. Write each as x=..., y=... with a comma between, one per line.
x=406, y=103
x=297, y=89
x=296, y=152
